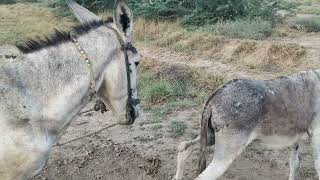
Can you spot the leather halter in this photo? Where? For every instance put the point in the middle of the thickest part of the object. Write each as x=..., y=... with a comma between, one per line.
x=125, y=47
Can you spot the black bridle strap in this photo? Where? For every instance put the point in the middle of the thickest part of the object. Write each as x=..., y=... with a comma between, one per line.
x=125, y=47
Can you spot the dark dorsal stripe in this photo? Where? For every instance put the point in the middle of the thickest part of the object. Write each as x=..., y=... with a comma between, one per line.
x=58, y=37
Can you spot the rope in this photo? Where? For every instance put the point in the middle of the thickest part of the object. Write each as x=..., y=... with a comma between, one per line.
x=87, y=135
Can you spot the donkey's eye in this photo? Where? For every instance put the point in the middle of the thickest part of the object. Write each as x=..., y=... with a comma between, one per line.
x=137, y=63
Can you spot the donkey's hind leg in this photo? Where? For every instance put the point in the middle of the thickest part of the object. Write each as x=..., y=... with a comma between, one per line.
x=228, y=145
x=294, y=161
x=185, y=149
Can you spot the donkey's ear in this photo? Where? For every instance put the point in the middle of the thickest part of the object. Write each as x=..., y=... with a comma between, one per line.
x=81, y=13
x=123, y=18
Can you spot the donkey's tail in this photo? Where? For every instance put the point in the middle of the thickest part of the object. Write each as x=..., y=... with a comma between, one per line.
x=205, y=123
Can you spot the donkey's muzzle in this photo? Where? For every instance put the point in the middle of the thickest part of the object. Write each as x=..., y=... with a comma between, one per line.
x=132, y=111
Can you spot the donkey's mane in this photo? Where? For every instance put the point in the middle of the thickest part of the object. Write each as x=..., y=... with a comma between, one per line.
x=58, y=37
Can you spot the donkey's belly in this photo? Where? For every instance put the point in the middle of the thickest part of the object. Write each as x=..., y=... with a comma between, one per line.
x=279, y=141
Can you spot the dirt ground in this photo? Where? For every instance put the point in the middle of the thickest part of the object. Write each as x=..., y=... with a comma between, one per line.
x=144, y=152
x=139, y=152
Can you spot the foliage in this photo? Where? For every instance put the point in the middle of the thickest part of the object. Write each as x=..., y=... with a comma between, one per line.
x=16, y=1
x=201, y=12
x=8, y=1
x=243, y=28
x=190, y=12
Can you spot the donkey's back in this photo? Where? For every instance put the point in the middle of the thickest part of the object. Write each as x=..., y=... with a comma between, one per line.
x=284, y=106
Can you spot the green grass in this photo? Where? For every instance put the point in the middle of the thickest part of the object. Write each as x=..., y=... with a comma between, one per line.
x=19, y=22
x=308, y=24
x=242, y=28
x=156, y=127
x=177, y=128
x=166, y=89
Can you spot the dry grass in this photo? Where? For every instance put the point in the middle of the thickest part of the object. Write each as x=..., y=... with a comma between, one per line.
x=281, y=56
x=173, y=36
x=246, y=47
x=24, y=21
x=266, y=56
x=310, y=10
x=247, y=54
x=176, y=73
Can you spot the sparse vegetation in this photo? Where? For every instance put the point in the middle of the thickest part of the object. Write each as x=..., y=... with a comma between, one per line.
x=177, y=128
x=308, y=24
x=246, y=47
x=310, y=10
x=171, y=88
x=243, y=28
x=282, y=56
x=156, y=127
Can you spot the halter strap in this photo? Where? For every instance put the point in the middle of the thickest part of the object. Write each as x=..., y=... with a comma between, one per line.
x=85, y=58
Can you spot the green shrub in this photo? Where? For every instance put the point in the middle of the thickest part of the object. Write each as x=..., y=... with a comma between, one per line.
x=190, y=12
x=16, y=1
x=8, y=1
x=201, y=12
x=308, y=24
x=243, y=28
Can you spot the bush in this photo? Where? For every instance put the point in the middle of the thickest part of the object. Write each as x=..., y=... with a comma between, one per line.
x=16, y=1
x=308, y=24
x=201, y=12
x=8, y=1
x=191, y=13
x=243, y=28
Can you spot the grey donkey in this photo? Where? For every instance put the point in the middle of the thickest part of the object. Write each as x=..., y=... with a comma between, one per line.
x=46, y=85
x=278, y=112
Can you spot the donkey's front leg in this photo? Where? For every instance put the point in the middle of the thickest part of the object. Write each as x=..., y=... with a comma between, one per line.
x=294, y=161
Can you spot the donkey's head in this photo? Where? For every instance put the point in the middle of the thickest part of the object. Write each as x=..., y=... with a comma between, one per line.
x=119, y=83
